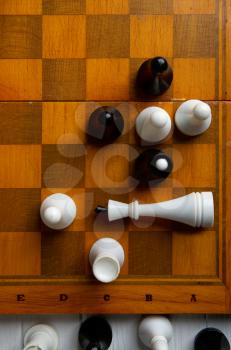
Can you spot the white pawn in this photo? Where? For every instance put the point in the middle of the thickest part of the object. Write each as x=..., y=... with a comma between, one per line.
x=155, y=332
x=106, y=258
x=153, y=124
x=58, y=211
x=42, y=337
x=193, y=117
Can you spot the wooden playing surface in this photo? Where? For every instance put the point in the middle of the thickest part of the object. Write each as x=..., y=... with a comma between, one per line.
x=61, y=59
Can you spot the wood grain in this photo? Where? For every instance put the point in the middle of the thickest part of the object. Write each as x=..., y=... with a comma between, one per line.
x=58, y=36
x=107, y=79
x=20, y=166
x=199, y=78
x=197, y=250
x=194, y=7
x=21, y=7
x=21, y=36
x=100, y=7
x=21, y=123
x=160, y=43
x=20, y=79
x=84, y=51
x=21, y=253
x=108, y=36
x=63, y=7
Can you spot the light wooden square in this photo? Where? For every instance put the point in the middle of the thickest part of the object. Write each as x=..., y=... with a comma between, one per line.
x=151, y=36
x=107, y=167
x=194, y=165
x=102, y=7
x=194, y=78
x=64, y=36
x=20, y=253
x=194, y=7
x=108, y=79
x=20, y=166
x=66, y=120
x=21, y=7
x=194, y=253
x=20, y=79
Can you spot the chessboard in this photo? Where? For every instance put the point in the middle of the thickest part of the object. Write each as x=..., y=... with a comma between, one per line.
x=59, y=61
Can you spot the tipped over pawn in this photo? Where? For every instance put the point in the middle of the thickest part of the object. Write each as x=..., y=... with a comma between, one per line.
x=106, y=258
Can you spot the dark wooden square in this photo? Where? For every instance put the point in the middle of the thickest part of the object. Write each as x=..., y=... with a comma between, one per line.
x=20, y=210
x=64, y=7
x=64, y=79
x=150, y=253
x=63, y=166
x=148, y=7
x=108, y=36
x=194, y=35
x=21, y=36
x=62, y=252
x=21, y=123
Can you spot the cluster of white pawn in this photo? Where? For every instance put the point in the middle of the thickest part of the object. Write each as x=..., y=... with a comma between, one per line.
x=154, y=331
x=192, y=118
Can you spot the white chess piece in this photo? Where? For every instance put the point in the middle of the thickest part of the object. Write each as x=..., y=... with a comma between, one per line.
x=58, y=211
x=153, y=124
x=41, y=337
x=195, y=209
x=106, y=258
x=193, y=117
x=155, y=332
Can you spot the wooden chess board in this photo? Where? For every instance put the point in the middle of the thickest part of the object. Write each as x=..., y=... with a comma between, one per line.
x=61, y=59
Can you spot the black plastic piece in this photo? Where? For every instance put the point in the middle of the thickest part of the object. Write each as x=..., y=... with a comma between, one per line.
x=145, y=170
x=95, y=334
x=211, y=339
x=105, y=125
x=154, y=77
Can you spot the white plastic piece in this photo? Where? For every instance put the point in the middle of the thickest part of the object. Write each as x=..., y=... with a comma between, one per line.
x=162, y=164
x=153, y=124
x=106, y=258
x=58, y=211
x=193, y=117
x=41, y=337
x=155, y=332
x=195, y=209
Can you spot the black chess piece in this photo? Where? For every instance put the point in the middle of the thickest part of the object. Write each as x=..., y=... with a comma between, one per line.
x=151, y=167
x=154, y=77
x=105, y=125
x=95, y=334
x=211, y=339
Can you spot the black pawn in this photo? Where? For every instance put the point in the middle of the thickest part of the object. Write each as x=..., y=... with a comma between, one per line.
x=146, y=169
x=105, y=125
x=95, y=334
x=211, y=339
x=154, y=77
